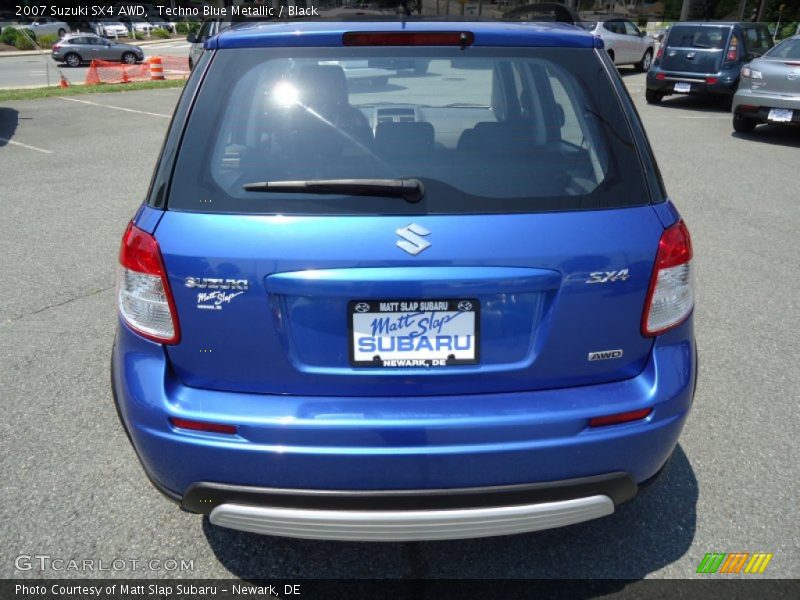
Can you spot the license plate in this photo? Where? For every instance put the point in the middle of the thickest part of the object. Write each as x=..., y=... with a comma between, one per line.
x=414, y=333
x=780, y=115
x=683, y=88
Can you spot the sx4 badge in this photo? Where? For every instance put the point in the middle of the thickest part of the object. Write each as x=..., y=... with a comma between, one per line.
x=219, y=292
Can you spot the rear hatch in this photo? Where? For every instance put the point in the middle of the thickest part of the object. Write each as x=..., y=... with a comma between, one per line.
x=524, y=265
x=538, y=316
x=695, y=48
x=778, y=75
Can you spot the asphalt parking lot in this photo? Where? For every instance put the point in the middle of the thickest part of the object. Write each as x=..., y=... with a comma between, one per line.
x=72, y=172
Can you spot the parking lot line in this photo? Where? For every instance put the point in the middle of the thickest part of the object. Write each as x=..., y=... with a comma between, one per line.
x=21, y=145
x=141, y=112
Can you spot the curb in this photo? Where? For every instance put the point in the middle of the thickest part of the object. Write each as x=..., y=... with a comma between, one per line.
x=15, y=53
x=18, y=53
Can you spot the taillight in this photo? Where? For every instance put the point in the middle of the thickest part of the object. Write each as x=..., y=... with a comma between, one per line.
x=660, y=53
x=670, y=297
x=56, y=47
x=733, y=50
x=144, y=298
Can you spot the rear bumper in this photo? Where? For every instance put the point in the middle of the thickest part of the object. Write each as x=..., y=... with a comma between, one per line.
x=403, y=443
x=725, y=85
x=405, y=515
x=756, y=105
x=396, y=526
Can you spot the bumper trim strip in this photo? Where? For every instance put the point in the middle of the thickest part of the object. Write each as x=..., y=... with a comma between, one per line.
x=416, y=525
x=204, y=497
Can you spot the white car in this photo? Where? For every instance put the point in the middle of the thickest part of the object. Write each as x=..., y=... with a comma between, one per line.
x=114, y=29
x=625, y=43
x=48, y=26
x=137, y=24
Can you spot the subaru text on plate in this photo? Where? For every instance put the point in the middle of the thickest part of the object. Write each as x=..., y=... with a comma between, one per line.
x=456, y=306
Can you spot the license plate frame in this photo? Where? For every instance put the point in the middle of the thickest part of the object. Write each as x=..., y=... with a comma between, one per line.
x=681, y=87
x=780, y=115
x=361, y=315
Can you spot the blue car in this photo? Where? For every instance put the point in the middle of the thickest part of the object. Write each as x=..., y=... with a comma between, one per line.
x=452, y=306
x=705, y=59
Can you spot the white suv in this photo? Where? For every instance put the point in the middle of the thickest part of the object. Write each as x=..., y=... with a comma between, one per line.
x=625, y=43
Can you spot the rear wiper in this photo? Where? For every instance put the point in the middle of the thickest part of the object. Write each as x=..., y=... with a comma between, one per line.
x=410, y=189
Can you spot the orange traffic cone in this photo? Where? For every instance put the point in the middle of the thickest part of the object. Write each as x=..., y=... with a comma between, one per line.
x=156, y=69
x=92, y=76
x=63, y=83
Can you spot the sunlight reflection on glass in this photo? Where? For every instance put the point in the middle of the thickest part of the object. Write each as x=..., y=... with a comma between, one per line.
x=285, y=94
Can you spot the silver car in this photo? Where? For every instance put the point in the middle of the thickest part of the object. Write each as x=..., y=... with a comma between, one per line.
x=48, y=26
x=769, y=88
x=79, y=48
x=625, y=43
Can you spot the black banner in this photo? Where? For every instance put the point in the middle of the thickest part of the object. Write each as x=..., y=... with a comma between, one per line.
x=416, y=589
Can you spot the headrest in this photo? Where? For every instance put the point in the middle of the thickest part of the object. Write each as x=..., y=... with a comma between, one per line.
x=322, y=85
x=498, y=138
x=404, y=138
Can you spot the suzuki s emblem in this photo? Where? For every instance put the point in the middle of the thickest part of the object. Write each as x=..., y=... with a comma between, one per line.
x=412, y=242
x=362, y=307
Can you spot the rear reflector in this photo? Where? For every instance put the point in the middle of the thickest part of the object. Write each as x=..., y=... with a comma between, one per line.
x=661, y=76
x=144, y=298
x=626, y=417
x=202, y=426
x=712, y=80
x=430, y=38
x=670, y=297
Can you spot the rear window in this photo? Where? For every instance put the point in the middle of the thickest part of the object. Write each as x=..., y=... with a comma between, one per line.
x=789, y=49
x=484, y=129
x=758, y=39
x=697, y=36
